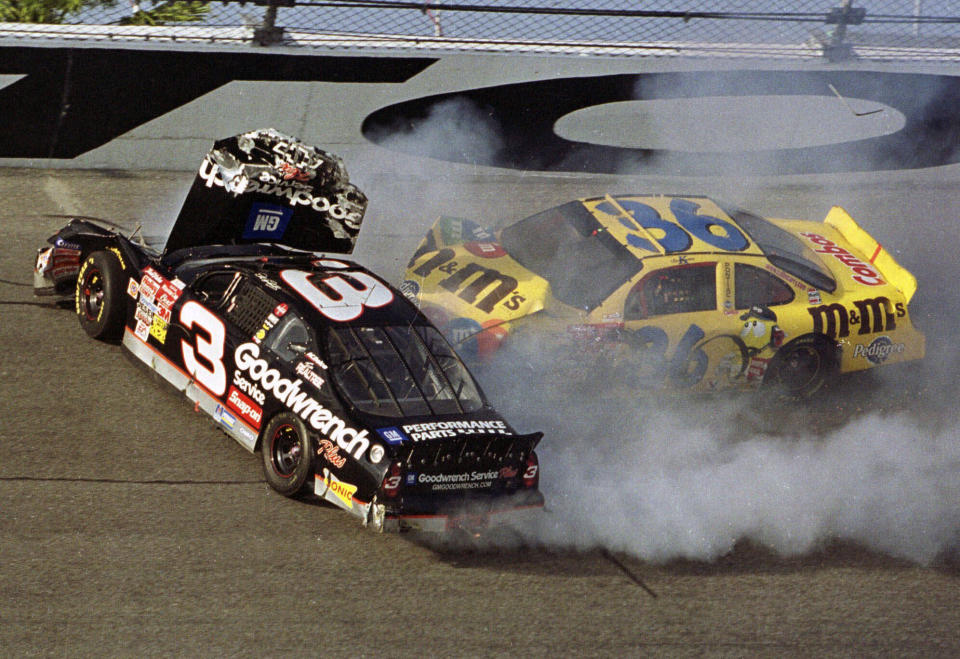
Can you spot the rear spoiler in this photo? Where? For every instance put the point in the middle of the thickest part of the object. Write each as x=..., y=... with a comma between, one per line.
x=880, y=258
x=468, y=451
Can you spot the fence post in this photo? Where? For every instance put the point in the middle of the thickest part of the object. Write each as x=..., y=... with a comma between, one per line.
x=268, y=33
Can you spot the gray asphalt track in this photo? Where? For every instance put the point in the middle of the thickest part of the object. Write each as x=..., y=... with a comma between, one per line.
x=131, y=526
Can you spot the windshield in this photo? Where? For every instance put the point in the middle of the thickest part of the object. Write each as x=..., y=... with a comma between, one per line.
x=784, y=250
x=569, y=248
x=400, y=371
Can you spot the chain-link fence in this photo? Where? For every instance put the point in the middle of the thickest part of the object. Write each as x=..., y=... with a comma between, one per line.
x=880, y=29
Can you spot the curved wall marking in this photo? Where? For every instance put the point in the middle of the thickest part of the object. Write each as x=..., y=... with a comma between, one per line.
x=727, y=124
x=525, y=115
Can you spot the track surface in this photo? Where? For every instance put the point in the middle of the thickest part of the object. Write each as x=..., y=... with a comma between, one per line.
x=131, y=526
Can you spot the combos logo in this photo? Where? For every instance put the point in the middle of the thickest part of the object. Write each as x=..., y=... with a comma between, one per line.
x=288, y=392
x=246, y=408
x=862, y=272
x=878, y=350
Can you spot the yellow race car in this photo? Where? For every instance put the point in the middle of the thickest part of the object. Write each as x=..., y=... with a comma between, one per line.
x=671, y=291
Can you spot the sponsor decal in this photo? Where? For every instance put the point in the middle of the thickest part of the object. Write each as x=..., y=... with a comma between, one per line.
x=289, y=172
x=862, y=272
x=442, y=429
x=222, y=416
x=463, y=481
x=411, y=478
x=485, y=250
x=246, y=408
x=329, y=451
x=143, y=313
x=248, y=388
x=281, y=310
x=313, y=359
x=871, y=314
x=60, y=242
x=267, y=221
x=268, y=324
x=158, y=329
x=148, y=288
x=133, y=288
x=410, y=290
x=269, y=283
x=813, y=296
x=392, y=436
x=757, y=368
x=471, y=280
x=296, y=193
x=305, y=370
x=343, y=490
x=288, y=392
x=43, y=259
x=728, y=301
x=460, y=331
x=878, y=350
x=786, y=276
x=454, y=230
x=142, y=331
x=508, y=472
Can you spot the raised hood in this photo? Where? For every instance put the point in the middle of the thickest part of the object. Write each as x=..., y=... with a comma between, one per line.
x=266, y=187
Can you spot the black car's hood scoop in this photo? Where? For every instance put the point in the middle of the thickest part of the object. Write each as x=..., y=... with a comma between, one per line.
x=266, y=187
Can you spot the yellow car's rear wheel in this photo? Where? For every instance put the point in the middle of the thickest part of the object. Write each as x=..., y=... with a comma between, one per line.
x=804, y=366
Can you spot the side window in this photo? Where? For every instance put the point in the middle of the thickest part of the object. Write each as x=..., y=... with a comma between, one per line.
x=680, y=289
x=212, y=288
x=756, y=287
x=291, y=337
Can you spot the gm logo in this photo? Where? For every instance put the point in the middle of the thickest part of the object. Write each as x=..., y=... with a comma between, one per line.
x=267, y=221
x=392, y=435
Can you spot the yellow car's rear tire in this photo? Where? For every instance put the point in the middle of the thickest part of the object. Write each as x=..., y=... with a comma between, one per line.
x=804, y=366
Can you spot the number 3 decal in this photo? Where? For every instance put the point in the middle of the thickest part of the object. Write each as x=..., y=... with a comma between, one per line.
x=214, y=377
x=355, y=290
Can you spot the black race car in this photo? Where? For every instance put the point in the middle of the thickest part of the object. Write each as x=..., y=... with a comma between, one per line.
x=342, y=385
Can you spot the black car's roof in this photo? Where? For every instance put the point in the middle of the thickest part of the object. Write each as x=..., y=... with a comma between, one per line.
x=265, y=262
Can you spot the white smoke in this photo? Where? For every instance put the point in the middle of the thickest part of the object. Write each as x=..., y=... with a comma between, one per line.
x=877, y=463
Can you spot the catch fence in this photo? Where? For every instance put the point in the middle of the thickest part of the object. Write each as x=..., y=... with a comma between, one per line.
x=835, y=29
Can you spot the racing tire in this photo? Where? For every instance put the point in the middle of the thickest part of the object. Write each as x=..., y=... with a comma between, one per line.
x=287, y=454
x=803, y=367
x=99, y=296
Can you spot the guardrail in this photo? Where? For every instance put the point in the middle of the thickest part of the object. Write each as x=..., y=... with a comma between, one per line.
x=832, y=29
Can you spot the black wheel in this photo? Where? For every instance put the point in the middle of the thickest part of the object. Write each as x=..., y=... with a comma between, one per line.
x=99, y=297
x=803, y=367
x=287, y=454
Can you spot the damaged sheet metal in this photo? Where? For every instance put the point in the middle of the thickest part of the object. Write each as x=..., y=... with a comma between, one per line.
x=264, y=186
